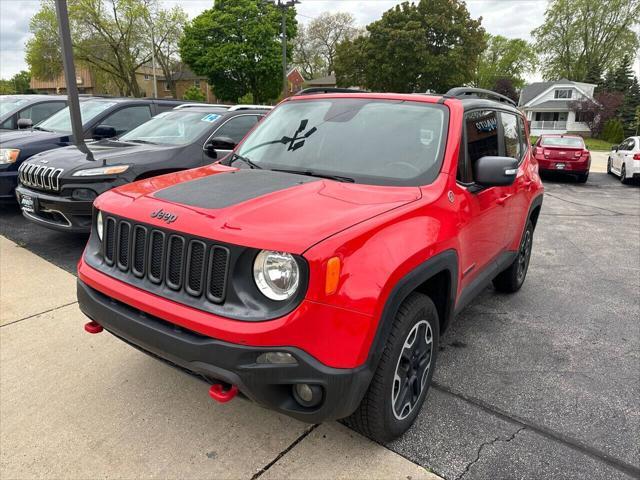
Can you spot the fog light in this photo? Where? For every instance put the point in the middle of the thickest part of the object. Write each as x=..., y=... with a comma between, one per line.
x=83, y=194
x=280, y=358
x=307, y=395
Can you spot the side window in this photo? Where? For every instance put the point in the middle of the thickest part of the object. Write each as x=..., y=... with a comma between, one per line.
x=512, y=145
x=41, y=111
x=237, y=127
x=9, y=123
x=482, y=137
x=128, y=118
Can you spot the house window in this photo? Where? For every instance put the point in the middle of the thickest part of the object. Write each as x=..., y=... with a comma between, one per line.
x=563, y=93
x=196, y=83
x=146, y=77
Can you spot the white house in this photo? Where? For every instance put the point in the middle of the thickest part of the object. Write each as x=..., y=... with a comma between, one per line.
x=546, y=105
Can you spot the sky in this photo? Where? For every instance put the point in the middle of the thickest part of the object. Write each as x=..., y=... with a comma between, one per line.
x=510, y=18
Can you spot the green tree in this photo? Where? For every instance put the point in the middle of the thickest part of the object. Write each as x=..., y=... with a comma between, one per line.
x=236, y=45
x=21, y=82
x=112, y=37
x=505, y=58
x=613, y=131
x=415, y=47
x=579, y=34
x=168, y=26
x=43, y=53
x=316, y=44
x=193, y=93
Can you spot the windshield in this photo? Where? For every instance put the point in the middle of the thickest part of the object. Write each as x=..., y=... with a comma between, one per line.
x=8, y=104
x=61, y=121
x=178, y=127
x=569, y=142
x=379, y=142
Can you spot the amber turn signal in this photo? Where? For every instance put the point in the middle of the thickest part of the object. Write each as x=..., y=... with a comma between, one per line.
x=333, y=275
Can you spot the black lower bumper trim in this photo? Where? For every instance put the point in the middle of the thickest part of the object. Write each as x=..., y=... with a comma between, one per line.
x=215, y=360
x=58, y=212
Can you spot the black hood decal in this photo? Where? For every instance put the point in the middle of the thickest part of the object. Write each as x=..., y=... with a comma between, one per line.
x=225, y=189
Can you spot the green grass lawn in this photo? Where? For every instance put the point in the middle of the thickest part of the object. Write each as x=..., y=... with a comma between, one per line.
x=594, y=144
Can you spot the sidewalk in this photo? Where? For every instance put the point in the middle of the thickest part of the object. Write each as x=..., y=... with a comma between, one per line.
x=74, y=405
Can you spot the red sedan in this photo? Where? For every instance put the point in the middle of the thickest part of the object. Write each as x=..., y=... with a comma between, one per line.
x=563, y=153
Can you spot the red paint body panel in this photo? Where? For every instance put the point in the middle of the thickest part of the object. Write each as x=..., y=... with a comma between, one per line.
x=380, y=234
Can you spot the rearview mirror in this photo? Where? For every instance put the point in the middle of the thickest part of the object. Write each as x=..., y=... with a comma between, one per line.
x=495, y=171
x=24, y=123
x=103, y=131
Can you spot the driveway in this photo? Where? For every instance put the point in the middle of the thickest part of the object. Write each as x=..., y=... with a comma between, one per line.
x=540, y=384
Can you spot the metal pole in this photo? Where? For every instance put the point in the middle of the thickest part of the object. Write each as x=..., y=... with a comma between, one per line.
x=70, y=72
x=153, y=62
x=285, y=80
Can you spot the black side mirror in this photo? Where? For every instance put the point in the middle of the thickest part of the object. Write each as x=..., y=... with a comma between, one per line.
x=24, y=123
x=495, y=171
x=613, y=147
x=103, y=131
x=220, y=143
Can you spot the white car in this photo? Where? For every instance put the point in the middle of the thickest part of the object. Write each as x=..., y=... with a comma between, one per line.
x=624, y=160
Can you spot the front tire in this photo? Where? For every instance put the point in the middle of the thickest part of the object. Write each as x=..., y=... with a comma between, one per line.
x=402, y=379
x=609, y=166
x=512, y=278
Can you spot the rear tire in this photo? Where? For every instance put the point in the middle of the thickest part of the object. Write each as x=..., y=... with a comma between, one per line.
x=511, y=279
x=582, y=178
x=403, y=376
x=609, y=172
x=623, y=175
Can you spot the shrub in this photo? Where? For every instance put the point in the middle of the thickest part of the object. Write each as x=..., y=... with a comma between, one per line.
x=613, y=131
x=194, y=94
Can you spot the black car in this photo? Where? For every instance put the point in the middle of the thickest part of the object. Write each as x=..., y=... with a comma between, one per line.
x=102, y=117
x=28, y=110
x=57, y=188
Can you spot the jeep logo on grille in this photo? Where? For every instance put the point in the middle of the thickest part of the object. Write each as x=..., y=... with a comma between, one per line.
x=165, y=216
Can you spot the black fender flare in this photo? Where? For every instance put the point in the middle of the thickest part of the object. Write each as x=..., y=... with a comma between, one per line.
x=446, y=261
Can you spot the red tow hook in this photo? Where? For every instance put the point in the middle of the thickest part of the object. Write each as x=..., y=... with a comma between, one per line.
x=93, y=327
x=219, y=394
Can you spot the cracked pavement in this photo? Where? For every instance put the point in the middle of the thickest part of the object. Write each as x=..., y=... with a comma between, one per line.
x=541, y=384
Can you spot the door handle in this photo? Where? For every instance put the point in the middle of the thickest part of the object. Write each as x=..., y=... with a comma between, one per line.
x=502, y=199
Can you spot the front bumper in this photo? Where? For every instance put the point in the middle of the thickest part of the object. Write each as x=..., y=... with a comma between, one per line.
x=57, y=212
x=8, y=182
x=215, y=360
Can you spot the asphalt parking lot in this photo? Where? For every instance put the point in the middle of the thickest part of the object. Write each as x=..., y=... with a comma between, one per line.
x=541, y=384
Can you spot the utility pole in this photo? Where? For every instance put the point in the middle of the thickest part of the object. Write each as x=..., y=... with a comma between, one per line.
x=284, y=6
x=70, y=72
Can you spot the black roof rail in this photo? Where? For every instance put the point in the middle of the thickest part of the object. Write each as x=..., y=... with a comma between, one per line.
x=479, y=92
x=313, y=90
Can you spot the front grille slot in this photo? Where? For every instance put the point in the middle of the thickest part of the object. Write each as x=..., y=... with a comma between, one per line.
x=139, y=249
x=156, y=256
x=40, y=176
x=175, y=262
x=144, y=254
x=195, y=268
x=217, y=273
x=109, y=241
x=124, y=240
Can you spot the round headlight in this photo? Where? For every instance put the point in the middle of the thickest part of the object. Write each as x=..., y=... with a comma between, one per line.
x=276, y=274
x=99, y=225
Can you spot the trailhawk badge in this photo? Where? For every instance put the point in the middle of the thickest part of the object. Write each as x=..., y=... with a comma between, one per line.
x=165, y=216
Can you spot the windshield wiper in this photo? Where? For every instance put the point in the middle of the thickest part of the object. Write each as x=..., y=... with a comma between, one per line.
x=311, y=173
x=245, y=160
x=146, y=142
x=42, y=129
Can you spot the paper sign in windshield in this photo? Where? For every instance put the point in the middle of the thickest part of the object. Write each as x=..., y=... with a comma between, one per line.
x=212, y=117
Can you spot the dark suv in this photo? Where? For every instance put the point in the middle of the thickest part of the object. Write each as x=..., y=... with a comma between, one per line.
x=316, y=267
x=102, y=117
x=57, y=188
x=23, y=111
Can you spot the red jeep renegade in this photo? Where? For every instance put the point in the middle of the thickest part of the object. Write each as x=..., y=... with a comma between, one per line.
x=315, y=270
